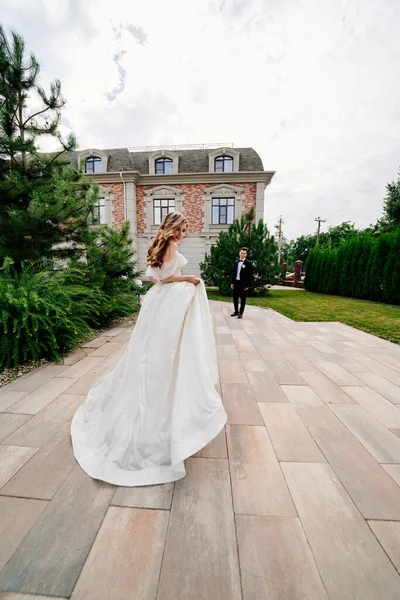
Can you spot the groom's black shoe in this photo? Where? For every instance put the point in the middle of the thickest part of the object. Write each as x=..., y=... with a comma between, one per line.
x=240, y=316
x=235, y=314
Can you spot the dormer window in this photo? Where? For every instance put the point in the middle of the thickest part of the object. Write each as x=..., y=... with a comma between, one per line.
x=223, y=164
x=163, y=166
x=93, y=164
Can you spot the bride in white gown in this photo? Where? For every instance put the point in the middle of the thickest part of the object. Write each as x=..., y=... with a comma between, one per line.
x=159, y=405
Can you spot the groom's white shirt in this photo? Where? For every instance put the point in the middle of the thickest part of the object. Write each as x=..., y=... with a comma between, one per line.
x=238, y=269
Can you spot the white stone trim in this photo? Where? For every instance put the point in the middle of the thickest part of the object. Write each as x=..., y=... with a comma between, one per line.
x=260, y=200
x=156, y=193
x=223, y=152
x=163, y=154
x=222, y=190
x=106, y=194
x=83, y=156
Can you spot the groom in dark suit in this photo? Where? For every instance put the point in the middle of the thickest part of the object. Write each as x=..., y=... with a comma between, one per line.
x=242, y=276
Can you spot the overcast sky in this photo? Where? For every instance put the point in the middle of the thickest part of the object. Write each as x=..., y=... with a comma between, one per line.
x=312, y=85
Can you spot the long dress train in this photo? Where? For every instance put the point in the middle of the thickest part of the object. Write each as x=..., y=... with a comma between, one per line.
x=159, y=404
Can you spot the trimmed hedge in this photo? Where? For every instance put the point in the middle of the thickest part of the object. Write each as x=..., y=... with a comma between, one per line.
x=364, y=267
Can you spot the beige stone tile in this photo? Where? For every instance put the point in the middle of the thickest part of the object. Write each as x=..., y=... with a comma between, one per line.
x=326, y=389
x=388, y=534
x=10, y=423
x=394, y=471
x=232, y=371
x=106, y=349
x=148, y=496
x=12, y=458
x=338, y=374
x=240, y=404
x=17, y=517
x=97, y=342
x=373, y=491
x=215, y=449
x=239, y=333
x=67, y=529
x=258, y=485
x=200, y=560
x=36, y=378
x=396, y=432
x=295, y=341
x=374, y=436
x=312, y=354
x=392, y=375
x=8, y=398
x=351, y=562
x=258, y=339
x=245, y=345
x=222, y=339
x=322, y=347
x=73, y=358
x=83, y=385
x=387, y=359
x=270, y=333
x=252, y=361
x=125, y=336
x=42, y=476
x=383, y=410
x=41, y=427
x=111, y=361
x=290, y=438
x=13, y=596
x=283, y=344
x=302, y=394
x=82, y=367
x=299, y=362
x=41, y=397
x=137, y=564
x=352, y=366
x=227, y=352
x=270, y=547
x=285, y=374
x=382, y=386
x=114, y=331
x=265, y=387
x=270, y=353
x=224, y=329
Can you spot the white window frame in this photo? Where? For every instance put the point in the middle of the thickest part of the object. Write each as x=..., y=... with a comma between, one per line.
x=223, y=190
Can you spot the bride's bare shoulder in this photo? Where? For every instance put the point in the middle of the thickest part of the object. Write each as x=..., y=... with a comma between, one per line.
x=171, y=252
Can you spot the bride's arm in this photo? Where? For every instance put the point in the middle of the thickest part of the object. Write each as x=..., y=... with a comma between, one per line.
x=190, y=278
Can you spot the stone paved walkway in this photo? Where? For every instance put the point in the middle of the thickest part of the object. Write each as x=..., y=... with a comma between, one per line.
x=298, y=499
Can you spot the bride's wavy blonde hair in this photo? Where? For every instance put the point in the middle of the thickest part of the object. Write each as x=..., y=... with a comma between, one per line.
x=167, y=230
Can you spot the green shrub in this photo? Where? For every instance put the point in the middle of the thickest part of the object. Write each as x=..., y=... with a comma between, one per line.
x=364, y=267
x=42, y=315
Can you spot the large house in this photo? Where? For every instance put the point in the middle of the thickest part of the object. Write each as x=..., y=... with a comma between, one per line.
x=211, y=185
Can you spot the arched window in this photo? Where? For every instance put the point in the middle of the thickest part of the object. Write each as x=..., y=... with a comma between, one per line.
x=223, y=164
x=163, y=166
x=93, y=164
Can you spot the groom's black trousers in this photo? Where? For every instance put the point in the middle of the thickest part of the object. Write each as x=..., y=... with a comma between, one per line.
x=239, y=292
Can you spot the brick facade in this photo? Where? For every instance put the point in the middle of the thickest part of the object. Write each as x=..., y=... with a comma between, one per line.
x=193, y=204
x=118, y=207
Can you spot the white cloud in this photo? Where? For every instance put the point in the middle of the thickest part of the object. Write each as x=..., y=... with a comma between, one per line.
x=313, y=86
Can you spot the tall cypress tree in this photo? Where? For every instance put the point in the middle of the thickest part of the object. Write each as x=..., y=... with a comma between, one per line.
x=217, y=265
x=44, y=202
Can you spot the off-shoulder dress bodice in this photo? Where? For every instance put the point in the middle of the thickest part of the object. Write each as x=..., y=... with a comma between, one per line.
x=168, y=268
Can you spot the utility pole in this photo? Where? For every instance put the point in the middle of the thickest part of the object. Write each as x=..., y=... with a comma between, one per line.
x=319, y=226
x=278, y=228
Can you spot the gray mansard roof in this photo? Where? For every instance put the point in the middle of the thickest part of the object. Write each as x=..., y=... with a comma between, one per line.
x=189, y=161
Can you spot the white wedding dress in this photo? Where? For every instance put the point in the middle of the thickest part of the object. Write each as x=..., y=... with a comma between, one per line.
x=159, y=404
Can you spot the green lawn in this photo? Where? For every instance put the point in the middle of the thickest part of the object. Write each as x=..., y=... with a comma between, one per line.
x=379, y=319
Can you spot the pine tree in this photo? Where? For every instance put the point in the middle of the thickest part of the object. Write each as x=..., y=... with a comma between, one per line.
x=44, y=203
x=216, y=269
